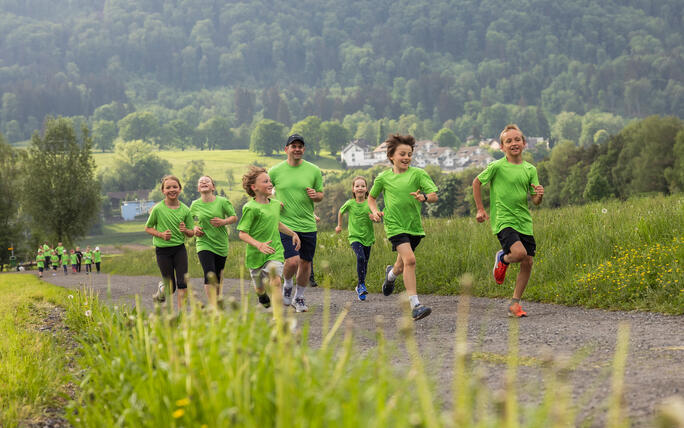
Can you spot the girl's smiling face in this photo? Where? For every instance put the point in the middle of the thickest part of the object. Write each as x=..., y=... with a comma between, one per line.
x=205, y=184
x=171, y=189
x=401, y=159
x=360, y=188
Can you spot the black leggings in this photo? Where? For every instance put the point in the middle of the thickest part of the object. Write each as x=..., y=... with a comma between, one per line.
x=362, y=255
x=211, y=262
x=173, y=265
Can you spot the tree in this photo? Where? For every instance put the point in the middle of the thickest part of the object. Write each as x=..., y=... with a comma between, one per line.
x=268, y=137
x=104, y=133
x=136, y=166
x=191, y=175
x=334, y=136
x=61, y=194
x=216, y=133
x=11, y=175
x=447, y=138
x=568, y=126
x=310, y=129
x=594, y=121
x=140, y=125
x=181, y=132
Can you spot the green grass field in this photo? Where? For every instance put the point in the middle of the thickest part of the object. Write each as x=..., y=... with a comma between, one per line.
x=217, y=162
x=614, y=255
x=119, y=234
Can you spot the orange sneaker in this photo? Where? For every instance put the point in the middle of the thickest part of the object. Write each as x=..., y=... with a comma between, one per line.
x=515, y=310
x=500, y=267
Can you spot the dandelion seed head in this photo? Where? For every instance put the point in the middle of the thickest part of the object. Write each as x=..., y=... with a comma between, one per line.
x=88, y=313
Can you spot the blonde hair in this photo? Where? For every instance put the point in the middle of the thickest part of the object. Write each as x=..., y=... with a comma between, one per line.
x=250, y=178
x=509, y=127
x=170, y=177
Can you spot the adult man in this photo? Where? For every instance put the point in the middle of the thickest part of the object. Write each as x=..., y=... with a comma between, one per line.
x=298, y=184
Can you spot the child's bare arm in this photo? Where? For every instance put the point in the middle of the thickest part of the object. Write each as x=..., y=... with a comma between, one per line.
x=287, y=231
x=539, y=195
x=165, y=235
x=477, y=195
x=373, y=205
x=338, y=229
x=261, y=246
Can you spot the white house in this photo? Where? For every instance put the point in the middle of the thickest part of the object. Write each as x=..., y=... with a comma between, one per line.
x=358, y=154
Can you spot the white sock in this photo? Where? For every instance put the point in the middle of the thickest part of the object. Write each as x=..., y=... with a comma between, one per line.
x=414, y=300
x=299, y=292
x=391, y=275
x=288, y=283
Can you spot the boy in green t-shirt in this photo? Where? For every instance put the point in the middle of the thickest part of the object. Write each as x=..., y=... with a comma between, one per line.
x=88, y=260
x=40, y=262
x=97, y=258
x=60, y=250
x=405, y=189
x=360, y=228
x=260, y=227
x=54, y=260
x=73, y=258
x=511, y=178
x=65, y=261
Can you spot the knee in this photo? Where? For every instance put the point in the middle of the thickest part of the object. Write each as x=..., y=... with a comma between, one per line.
x=527, y=262
x=292, y=262
x=517, y=255
x=410, y=261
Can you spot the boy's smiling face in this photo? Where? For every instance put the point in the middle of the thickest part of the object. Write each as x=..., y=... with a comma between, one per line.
x=402, y=157
x=262, y=185
x=513, y=143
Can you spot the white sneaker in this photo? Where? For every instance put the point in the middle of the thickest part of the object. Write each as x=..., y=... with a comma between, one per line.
x=159, y=295
x=299, y=305
x=287, y=296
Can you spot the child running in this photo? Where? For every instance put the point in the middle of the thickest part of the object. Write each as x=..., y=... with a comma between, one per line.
x=405, y=189
x=169, y=223
x=97, y=258
x=54, y=259
x=65, y=261
x=260, y=227
x=40, y=262
x=213, y=214
x=360, y=228
x=511, y=178
x=88, y=257
x=74, y=261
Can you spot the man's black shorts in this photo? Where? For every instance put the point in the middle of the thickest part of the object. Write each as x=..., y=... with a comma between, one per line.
x=397, y=240
x=306, y=251
x=509, y=236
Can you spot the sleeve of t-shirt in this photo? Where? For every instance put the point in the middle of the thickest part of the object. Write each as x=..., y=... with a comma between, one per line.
x=345, y=207
x=318, y=181
x=377, y=187
x=426, y=183
x=246, y=221
x=152, y=219
x=228, y=209
x=489, y=173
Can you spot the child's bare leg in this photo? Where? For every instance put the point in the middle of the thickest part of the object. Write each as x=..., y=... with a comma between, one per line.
x=181, y=297
x=518, y=253
x=523, y=277
x=408, y=263
x=398, y=267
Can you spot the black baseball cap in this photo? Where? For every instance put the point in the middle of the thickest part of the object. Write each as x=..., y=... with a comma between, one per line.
x=294, y=137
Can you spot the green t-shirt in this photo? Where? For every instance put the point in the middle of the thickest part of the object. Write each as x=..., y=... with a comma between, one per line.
x=509, y=185
x=260, y=221
x=74, y=258
x=59, y=250
x=215, y=239
x=65, y=259
x=97, y=256
x=46, y=247
x=54, y=259
x=402, y=210
x=290, y=183
x=360, y=226
x=163, y=218
x=88, y=257
x=40, y=261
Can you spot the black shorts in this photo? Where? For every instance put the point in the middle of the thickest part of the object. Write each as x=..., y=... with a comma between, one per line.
x=402, y=238
x=509, y=236
x=211, y=262
x=173, y=265
x=307, y=249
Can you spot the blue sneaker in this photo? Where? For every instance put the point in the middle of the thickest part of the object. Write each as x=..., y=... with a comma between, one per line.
x=387, y=285
x=361, y=291
x=420, y=312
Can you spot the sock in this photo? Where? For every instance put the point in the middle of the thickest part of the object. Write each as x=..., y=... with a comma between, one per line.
x=414, y=301
x=502, y=259
x=514, y=300
x=299, y=292
x=391, y=275
x=288, y=283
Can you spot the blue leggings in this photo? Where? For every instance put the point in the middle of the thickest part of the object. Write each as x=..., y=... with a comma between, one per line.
x=362, y=255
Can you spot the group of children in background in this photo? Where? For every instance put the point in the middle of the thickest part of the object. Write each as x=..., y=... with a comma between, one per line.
x=404, y=189
x=49, y=256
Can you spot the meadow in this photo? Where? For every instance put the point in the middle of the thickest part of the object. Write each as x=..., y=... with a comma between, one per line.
x=626, y=255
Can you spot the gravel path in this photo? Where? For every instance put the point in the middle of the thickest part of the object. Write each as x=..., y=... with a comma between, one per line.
x=655, y=364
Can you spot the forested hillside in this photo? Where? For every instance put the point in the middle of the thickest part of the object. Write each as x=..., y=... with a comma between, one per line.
x=468, y=63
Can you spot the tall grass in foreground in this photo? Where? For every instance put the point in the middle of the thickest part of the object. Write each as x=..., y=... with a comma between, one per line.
x=33, y=363
x=615, y=255
x=249, y=368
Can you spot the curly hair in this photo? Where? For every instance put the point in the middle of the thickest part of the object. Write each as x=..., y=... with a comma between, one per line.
x=250, y=178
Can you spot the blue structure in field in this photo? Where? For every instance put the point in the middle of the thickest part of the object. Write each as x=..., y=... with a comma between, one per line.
x=131, y=209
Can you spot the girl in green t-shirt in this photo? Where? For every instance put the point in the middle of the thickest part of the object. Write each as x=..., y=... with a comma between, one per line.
x=170, y=222
x=88, y=257
x=65, y=261
x=360, y=228
x=73, y=258
x=40, y=262
x=404, y=189
x=213, y=213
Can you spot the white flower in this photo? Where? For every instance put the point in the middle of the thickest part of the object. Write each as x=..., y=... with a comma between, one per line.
x=605, y=210
x=71, y=296
x=88, y=313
